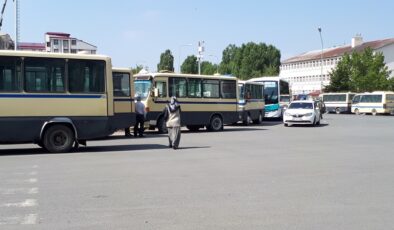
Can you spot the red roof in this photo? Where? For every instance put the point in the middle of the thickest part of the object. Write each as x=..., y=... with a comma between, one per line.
x=58, y=34
x=31, y=45
x=339, y=51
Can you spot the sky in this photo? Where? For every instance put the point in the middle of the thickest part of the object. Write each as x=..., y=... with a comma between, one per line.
x=135, y=32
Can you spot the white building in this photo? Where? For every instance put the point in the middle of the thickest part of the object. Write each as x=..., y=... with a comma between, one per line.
x=63, y=43
x=307, y=74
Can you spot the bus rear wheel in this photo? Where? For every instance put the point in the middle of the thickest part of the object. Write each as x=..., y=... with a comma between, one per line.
x=357, y=112
x=337, y=111
x=58, y=139
x=216, y=124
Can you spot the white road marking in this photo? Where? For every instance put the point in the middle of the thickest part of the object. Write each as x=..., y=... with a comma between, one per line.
x=33, y=191
x=24, y=204
x=30, y=219
x=32, y=180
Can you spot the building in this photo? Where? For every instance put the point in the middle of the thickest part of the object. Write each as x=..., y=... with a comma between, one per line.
x=59, y=43
x=64, y=43
x=307, y=74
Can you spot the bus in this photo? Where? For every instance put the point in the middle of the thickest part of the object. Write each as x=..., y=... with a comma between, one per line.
x=251, y=104
x=123, y=91
x=55, y=100
x=337, y=102
x=206, y=101
x=373, y=103
x=274, y=89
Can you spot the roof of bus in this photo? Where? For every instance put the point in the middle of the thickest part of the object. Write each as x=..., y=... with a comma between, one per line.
x=269, y=78
x=122, y=70
x=375, y=92
x=52, y=55
x=185, y=75
x=337, y=93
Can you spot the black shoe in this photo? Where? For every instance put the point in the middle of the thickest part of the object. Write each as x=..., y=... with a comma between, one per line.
x=170, y=145
x=175, y=148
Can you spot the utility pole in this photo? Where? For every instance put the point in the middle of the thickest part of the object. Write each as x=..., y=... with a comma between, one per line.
x=201, y=49
x=321, y=61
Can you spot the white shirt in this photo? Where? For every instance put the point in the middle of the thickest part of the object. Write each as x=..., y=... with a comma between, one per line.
x=140, y=108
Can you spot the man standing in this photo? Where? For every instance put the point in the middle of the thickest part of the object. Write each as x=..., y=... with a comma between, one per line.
x=140, y=117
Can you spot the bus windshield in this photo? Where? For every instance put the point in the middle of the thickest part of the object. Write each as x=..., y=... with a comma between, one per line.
x=142, y=88
x=241, y=91
x=271, y=92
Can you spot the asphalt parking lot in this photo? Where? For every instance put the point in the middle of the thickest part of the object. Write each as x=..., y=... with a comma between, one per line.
x=338, y=175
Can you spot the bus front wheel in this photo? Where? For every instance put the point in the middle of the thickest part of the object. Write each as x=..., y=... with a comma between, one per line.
x=58, y=139
x=216, y=124
x=161, y=126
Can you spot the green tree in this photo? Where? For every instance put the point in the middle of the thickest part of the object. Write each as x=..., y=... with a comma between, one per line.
x=207, y=68
x=166, y=61
x=250, y=60
x=190, y=65
x=137, y=69
x=340, y=77
x=361, y=72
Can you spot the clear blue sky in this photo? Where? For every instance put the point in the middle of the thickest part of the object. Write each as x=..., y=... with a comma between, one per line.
x=137, y=32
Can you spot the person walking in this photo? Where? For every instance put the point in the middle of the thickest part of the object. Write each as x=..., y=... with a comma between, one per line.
x=140, y=118
x=172, y=116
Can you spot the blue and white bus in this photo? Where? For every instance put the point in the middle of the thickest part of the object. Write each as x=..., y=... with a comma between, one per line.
x=274, y=88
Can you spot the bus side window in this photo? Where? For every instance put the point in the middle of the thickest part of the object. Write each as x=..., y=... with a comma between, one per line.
x=162, y=88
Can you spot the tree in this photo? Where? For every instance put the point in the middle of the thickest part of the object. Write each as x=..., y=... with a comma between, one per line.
x=166, y=61
x=137, y=69
x=250, y=60
x=207, y=68
x=361, y=72
x=190, y=65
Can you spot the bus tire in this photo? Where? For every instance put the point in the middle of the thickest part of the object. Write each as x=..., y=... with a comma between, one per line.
x=58, y=139
x=259, y=120
x=247, y=120
x=357, y=112
x=216, y=124
x=337, y=111
x=374, y=112
x=161, y=126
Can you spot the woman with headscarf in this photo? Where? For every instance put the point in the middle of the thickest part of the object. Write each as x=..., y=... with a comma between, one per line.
x=172, y=115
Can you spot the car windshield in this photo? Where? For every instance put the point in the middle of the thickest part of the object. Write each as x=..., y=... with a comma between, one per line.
x=301, y=105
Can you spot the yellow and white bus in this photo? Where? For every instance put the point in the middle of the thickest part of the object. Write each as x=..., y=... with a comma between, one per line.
x=251, y=104
x=206, y=101
x=373, y=103
x=338, y=102
x=55, y=100
x=123, y=91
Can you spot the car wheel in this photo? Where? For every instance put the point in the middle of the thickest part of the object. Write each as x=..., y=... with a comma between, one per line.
x=337, y=111
x=58, y=139
x=286, y=125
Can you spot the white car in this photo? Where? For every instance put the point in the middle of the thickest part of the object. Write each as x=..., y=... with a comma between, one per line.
x=303, y=113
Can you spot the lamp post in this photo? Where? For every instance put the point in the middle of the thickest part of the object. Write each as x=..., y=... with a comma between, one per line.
x=217, y=61
x=321, y=61
x=179, y=55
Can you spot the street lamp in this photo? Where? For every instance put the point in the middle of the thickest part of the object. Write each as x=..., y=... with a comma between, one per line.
x=321, y=61
x=179, y=55
x=217, y=61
